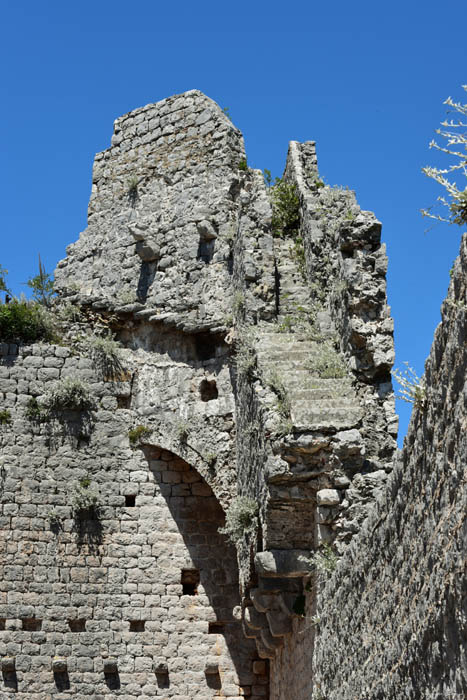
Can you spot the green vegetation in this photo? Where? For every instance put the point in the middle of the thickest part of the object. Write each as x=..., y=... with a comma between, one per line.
x=241, y=519
x=245, y=356
x=25, y=321
x=328, y=364
x=69, y=393
x=242, y=165
x=5, y=416
x=226, y=111
x=3, y=285
x=105, y=353
x=136, y=434
x=85, y=497
x=34, y=412
x=275, y=382
x=42, y=286
x=285, y=209
x=182, y=431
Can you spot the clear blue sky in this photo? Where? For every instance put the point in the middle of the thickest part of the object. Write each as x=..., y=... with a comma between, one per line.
x=366, y=80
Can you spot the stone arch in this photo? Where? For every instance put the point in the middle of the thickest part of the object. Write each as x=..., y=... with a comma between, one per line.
x=197, y=568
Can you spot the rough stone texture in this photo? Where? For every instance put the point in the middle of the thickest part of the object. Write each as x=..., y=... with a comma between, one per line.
x=391, y=623
x=100, y=599
x=255, y=367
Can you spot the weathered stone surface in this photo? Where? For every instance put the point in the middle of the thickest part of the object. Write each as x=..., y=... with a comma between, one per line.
x=282, y=563
x=250, y=366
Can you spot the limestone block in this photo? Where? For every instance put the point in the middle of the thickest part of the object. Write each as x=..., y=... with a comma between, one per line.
x=282, y=563
x=59, y=665
x=327, y=497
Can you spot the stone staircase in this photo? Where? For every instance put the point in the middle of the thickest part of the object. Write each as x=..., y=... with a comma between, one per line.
x=304, y=377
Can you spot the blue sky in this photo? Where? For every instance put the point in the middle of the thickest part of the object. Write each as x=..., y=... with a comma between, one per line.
x=366, y=80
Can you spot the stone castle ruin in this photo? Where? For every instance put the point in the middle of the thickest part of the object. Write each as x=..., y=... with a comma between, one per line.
x=219, y=509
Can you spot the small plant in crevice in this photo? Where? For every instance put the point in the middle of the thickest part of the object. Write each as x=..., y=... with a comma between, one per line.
x=297, y=253
x=35, y=412
x=285, y=209
x=68, y=394
x=5, y=416
x=132, y=190
x=323, y=562
x=267, y=177
x=85, y=498
x=54, y=520
x=70, y=313
x=245, y=355
x=210, y=458
x=238, y=304
x=181, y=430
x=137, y=434
x=327, y=363
x=226, y=111
x=104, y=350
x=242, y=165
x=241, y=519
x=276, y=384
x=412, y=388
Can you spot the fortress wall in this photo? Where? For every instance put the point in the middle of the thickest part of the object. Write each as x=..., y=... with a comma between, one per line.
x=80, y=593
x=392, y=619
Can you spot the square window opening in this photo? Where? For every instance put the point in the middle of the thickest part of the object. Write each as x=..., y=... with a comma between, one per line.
x=137, y=625
x=130, y=501
x=190, y=581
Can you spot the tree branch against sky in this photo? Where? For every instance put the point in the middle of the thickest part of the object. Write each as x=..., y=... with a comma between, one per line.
x=454, y=133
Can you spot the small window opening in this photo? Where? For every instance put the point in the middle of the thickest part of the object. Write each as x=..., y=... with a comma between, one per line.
x=31, y=624
x=123, y=401
x=137, y=625
x=130, y=501
x=77, y=625
x=208, y=390
x=216, y=628
x=190, y=581
x=205, y=250
x=2, y=623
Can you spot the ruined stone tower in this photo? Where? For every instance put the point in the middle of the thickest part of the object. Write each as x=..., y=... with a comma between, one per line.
x=254, y=372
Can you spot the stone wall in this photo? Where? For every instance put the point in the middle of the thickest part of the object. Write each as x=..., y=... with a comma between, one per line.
x=140, y=594
x=391, y=621
x=253, y=366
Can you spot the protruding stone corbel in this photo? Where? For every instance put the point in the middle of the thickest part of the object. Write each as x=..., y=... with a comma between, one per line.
x=110, y=666
x=59, y=665
x=160, y=668
x=8, y=664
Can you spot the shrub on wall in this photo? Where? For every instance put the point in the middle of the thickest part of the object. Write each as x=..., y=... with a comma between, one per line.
x=241, y=519
x=25, y=321
x=285, y=209
x=70, y=393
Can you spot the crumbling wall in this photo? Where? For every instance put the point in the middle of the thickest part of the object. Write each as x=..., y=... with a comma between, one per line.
x=391, y=621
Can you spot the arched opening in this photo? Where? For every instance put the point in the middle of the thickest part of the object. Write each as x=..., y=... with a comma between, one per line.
x=192, y=586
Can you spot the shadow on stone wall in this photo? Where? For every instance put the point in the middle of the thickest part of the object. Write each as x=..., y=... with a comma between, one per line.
x=198, y=517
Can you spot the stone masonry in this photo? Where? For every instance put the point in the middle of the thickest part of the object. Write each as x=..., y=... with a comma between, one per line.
x=251, y=366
